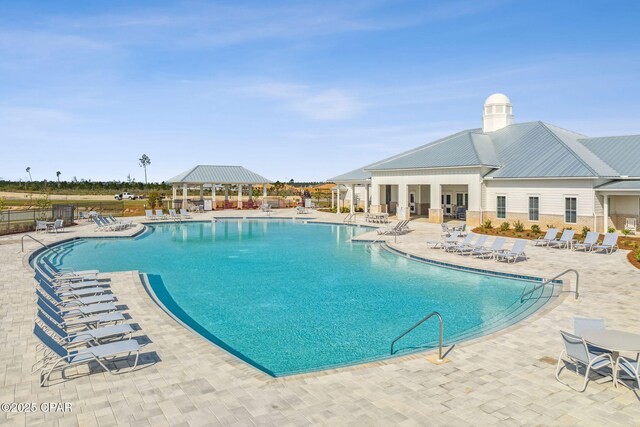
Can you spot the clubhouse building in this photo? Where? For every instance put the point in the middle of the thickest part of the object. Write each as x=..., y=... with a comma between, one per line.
x=533, y=172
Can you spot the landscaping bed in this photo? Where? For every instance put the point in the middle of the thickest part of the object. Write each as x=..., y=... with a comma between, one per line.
x=629, y=243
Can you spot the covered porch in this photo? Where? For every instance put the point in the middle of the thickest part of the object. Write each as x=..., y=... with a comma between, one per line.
x=621, y=205
x=212, y=182
x=353, y=195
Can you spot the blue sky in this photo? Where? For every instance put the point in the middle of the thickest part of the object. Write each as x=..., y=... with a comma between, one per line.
x=296, y=90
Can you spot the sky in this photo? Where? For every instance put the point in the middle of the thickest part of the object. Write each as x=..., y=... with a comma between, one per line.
x=293, y=89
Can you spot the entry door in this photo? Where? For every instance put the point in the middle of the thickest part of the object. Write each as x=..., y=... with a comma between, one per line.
x=412, y=202
x=447, y=207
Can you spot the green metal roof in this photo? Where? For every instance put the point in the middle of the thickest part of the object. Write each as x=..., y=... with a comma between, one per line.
x=523, y=150
x=215, y=174
x=621, y=185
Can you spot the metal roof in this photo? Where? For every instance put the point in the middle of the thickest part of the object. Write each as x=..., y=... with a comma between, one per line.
x=215, y=174
x=523, y=150
x=622, y=153
x=460, y=149
x=620, y=185
x=355, y=175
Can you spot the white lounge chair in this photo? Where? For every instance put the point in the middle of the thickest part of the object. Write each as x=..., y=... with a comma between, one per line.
x=103, y=354
x=517, y=251
x=548, y=237
x=495, y=247
x=148, y=213
x=184, y=214
x=631, y=225
x=160, y=214
x=589, y=242
x=440, y=243
x=609, y=243
x=451, y=246
x=577, y=352
x=173, y=215
x=564, y=241
x=478, y=244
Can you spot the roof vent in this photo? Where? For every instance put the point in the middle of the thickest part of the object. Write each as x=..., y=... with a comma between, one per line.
x=496, y=113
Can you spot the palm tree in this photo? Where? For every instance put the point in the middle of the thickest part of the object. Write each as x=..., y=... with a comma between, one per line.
x=29, y=172
x=144, y=162
x=58, y=175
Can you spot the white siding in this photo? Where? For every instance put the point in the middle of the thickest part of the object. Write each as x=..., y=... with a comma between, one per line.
x=551, y=193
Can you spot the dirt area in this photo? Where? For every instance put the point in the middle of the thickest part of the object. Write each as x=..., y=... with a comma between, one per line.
x=23, y=196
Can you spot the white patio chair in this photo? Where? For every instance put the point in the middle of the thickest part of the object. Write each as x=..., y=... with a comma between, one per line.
x=577, y=353
x=41, y=226
x=628, y=369
x=631, y=225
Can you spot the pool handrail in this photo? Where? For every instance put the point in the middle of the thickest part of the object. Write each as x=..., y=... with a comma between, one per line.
x=547, y=281
x=424, y=319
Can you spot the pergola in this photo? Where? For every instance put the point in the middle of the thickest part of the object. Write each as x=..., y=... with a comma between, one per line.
x=215, y=176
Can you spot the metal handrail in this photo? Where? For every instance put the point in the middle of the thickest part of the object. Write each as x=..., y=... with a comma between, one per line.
x=433, y=313
x=347, y=220
x=34, y=239
x=546, y=282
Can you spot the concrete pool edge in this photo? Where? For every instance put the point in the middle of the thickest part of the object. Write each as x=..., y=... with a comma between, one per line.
x=264, y=373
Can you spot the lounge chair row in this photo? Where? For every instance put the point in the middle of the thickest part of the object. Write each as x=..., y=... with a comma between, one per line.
x=77, y=322
x=160, y=215
x=402, y=227
x=589, y=244
x=109, y=223
x=476, y=245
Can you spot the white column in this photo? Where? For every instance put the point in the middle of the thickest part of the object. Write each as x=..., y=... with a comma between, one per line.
x=213, y=196
x=333, y=204
x=175, y=196
x=435, y=201
x=201, y=192
x=376, y=197
x=366, y=198
x=226, y=192
x=338, y=199
x=250, y=192
x=264, y=193
x=184, y=196
x=239, y=196
x=605, y=224
x=352, y=205
x=403, y=202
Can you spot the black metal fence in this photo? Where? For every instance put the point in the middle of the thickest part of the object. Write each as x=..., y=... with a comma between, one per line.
x=19, y=221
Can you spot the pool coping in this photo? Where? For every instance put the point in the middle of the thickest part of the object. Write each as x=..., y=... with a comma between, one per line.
x=258, y=373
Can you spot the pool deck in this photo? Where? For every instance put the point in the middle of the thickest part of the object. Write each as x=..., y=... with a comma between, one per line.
x=505, y=378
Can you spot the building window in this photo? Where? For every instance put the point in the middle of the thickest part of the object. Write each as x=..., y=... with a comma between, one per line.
x=501, y=211
x=570, y=210
x=534, y=208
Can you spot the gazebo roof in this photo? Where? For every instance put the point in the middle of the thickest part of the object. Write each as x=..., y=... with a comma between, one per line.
x=216, y=174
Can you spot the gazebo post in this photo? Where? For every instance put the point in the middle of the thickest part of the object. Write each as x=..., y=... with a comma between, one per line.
x=333, y=205
x=201, y=192
x=352, y=208
x=264, y=193
x=213, y=196
x=338, y=199
x=250, y=196
x=184, y=196
x=226, y=195
x=366, y=198
x=175, y=196
x=239, y=196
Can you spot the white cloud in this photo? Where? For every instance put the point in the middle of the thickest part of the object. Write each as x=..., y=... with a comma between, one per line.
x=316, y=104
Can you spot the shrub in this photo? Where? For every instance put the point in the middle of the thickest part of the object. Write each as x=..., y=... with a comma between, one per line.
x=154, y=199
x=585, y=230
x=567, y=228
x=535, y=228
x=518, y=226
x=626, y=232
x=345, y=209
x=551, y=226
x=611, y=230
x=504, y=226
x=638, y=255
x=487, y=224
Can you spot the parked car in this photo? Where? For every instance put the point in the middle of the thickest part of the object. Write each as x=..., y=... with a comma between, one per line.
x=125, y=195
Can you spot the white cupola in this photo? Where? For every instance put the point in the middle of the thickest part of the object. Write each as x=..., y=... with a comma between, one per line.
x=496, y=113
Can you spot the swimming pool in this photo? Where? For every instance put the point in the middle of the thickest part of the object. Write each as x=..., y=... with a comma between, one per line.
x=291, y=297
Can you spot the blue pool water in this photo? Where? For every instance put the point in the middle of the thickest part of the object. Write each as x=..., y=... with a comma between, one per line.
x=290, y=297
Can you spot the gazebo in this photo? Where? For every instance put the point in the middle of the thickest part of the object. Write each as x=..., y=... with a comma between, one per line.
x=216, y=177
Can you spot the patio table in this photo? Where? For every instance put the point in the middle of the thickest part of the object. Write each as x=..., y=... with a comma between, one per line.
x=615, y=341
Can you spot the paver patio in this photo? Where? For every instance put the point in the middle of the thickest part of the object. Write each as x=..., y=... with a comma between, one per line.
x=507, y=377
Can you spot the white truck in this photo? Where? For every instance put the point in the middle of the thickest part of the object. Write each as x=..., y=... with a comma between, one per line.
x=125, y=195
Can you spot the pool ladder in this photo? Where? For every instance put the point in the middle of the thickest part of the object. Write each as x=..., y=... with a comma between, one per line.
x=546, y=282
x=427, y=317
x=350, y=219
x=34, y=239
